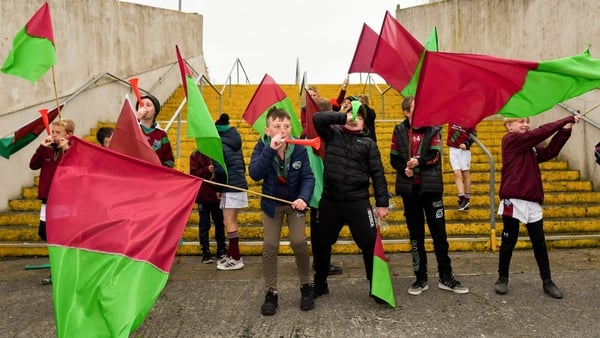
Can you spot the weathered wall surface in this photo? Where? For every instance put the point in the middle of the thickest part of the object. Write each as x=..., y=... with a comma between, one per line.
x=535, y=30
x=92, y=38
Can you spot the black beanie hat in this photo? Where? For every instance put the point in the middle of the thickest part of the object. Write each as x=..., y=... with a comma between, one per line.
x=223, y=120
x=154, y=102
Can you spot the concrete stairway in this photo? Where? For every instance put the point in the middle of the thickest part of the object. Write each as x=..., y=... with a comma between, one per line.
x=571, y=210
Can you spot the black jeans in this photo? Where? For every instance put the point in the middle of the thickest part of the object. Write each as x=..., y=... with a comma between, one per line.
x=206, y=210
x=333, y=215
x=510, y=235
x=417, y=208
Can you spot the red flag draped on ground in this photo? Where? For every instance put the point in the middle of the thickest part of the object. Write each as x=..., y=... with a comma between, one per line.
x=465, y=88
x=33, y=51
x=365, y=48
x=397, y=54
x=267, y=95
x=128, y=137
x=381, y=286
x=114, y=223
x=26, y=134
x=200, y=125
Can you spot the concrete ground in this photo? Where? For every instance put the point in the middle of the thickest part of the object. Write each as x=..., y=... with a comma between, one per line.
x=200, y=301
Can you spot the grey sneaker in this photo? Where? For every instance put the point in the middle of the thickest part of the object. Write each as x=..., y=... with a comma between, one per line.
x=551, y=289
x=418, y=287
x=451, y=284
x=501, y=285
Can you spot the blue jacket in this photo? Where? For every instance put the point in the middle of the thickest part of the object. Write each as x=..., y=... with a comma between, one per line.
x=234, y=160
x=300, y=179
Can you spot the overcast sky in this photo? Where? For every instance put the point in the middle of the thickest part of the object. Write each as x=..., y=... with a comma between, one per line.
x=269, y=36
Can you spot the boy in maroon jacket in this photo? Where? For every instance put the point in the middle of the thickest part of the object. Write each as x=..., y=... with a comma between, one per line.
x=522, y=194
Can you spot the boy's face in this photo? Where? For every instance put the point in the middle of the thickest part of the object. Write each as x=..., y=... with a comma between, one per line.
x=517, y=126
x=356, y=125
x=149, y=109
x=58, y=132
x=278, y=126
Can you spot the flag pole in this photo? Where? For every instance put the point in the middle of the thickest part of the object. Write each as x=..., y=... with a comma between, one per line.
x=250, y=191
x=56, y=93
x=593, y=108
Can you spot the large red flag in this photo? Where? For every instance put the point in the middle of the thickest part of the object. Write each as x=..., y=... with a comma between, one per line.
x=112, y=240
x=397, y=54
x=465, y=88
x=365, y=49
x=128, y=137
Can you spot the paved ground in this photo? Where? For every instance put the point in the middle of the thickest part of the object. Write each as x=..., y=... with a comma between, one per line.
x=199, y=301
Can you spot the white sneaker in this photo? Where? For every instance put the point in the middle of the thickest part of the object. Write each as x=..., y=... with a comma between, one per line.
x=231, y=264
x=222, y=260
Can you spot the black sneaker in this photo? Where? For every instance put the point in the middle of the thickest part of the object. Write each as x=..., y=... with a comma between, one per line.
x=501, y=285
x=377, y=299
x=320, y=289
x=418, y=287
x=206, y=258
x=47, y=280
x=270, y=306
x=464, y=205
x=307, y=301
x=333, y=270
x=451, y=284
x=551, y=289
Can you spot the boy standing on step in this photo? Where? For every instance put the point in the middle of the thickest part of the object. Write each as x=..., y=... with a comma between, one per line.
x=416, y=154
x=522, y=194
x=208, y=204
x=46, y=158
x=286, y=174
x=459, y=141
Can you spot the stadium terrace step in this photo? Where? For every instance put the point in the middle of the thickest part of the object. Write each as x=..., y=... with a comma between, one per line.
x=571, y=209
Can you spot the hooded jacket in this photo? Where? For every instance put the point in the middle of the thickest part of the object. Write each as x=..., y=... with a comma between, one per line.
x=234, y=160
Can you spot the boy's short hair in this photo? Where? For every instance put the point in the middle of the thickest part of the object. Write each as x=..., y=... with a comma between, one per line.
x=277, y=114
x=323, y=104
x=103, y=133
x=508, y=120
x=68, y=124
x=407, y=102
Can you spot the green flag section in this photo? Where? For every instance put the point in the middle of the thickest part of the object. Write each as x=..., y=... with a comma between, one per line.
x=469, y=87
x=33, y=51
x=381, y=285
x=113, y=239
x=430, y=44
x=268, y=95
x=26, y=134
x=200, y=123
x=316, y=165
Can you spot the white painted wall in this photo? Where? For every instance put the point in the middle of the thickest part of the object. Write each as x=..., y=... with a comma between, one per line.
x=92, y=38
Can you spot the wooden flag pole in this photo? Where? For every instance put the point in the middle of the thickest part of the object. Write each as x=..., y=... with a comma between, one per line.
x=593, y=108
x=56, y=93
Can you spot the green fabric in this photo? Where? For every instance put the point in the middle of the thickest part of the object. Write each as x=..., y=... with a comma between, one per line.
x=553, y=82
x=285, y=104
x=100, y=294
x=30, y=57
x=222, y=128
x=431, y=44
x=316, y=165
x=9, y=146
x=201, y=127
x=382, y=283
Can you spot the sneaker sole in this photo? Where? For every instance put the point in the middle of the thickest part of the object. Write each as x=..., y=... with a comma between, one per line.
x=418, y=292
x=227, y=268
x=460, y=291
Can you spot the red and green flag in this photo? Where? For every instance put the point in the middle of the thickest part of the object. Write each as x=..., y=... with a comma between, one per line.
x=315, y=156
x=430, y=44
x=113, y=239
x=128, y=137
x=200, y=125
x=33, y=51
x=396, y=54
x=465, y=88
x=26, y=134
x=381, y=285
x=268, y=95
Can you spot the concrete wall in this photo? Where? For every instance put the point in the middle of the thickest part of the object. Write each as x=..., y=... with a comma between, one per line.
x=534, y=30
x=92, y=38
